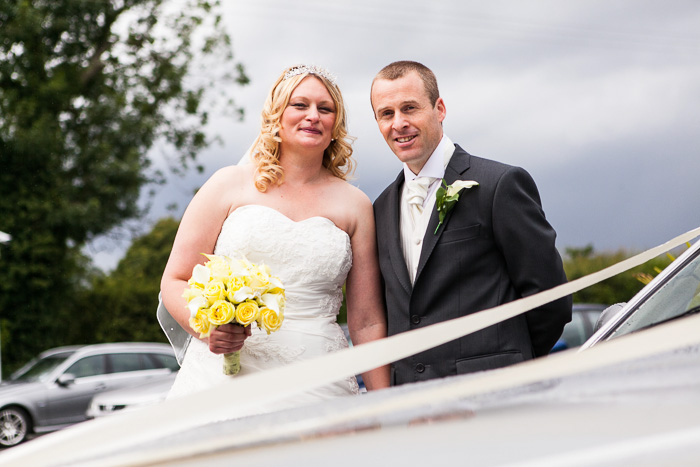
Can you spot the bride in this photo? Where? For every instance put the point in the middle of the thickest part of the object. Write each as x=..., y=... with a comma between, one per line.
x=292, y=210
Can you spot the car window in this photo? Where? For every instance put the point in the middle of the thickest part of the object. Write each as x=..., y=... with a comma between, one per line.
x=123, y=362
x=678, y=295
x=88, y=366
x=41, y=368
x=574, y=333
x=164, y=361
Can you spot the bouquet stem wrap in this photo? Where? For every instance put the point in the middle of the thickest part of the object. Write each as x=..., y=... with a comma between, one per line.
x=232, y=363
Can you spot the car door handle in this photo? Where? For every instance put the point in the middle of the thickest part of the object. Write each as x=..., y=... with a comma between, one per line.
x=100, y=387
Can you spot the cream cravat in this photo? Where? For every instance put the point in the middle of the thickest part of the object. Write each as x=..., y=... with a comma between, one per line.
x=416, y=191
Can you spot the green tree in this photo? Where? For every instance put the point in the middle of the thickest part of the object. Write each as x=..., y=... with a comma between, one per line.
x=579, y=262
x=121, y=306
x=86, y=89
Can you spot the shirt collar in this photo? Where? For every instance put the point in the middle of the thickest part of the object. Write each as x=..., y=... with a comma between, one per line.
x=437, y=162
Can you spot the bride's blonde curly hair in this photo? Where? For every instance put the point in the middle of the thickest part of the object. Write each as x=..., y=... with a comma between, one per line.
x=265, y=151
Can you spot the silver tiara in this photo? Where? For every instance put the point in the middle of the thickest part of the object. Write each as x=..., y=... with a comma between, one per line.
x=312, y=69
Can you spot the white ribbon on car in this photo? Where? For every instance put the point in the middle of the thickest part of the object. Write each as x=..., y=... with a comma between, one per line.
x=115, y=434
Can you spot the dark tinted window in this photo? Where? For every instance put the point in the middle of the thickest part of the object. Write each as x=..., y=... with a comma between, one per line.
x=88, y=366
x=122, y=362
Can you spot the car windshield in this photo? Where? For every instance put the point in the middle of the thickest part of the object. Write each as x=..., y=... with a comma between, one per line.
x=675, y=298
x=40, y=368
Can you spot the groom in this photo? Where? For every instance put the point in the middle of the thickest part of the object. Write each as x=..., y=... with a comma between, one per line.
x=494, y=245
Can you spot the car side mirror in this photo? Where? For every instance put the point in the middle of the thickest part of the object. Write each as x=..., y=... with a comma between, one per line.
x=607, y=315
x=66, y=379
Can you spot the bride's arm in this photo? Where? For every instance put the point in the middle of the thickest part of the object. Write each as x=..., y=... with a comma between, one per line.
x=366, y=314
x=197, y=234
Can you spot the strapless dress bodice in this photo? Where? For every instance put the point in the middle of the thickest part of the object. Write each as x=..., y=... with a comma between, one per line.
x=311, y=257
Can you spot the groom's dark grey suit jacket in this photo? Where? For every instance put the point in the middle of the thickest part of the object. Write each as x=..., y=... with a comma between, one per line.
x=495, y=246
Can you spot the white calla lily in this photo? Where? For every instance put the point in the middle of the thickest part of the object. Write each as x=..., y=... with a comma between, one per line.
x=201, y=274
x=243, y=294
x=458, y=186
x=275, y=285
x=273, y=302
x=196, y=304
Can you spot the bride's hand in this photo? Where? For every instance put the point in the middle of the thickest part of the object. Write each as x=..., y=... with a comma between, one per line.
x=228, y=338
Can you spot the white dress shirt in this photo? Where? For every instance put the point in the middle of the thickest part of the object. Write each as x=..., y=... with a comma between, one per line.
x=413, y=231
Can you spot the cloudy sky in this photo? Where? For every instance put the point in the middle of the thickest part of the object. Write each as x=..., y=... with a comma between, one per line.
x=597, y=99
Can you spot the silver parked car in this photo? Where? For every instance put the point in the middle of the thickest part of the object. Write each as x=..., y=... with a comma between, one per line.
x=53, y=390
x=153, y=392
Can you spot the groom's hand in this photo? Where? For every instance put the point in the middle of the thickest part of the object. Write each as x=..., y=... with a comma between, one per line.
x=228, y=338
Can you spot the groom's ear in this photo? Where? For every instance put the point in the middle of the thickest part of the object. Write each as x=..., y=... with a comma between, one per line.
x=441, y=109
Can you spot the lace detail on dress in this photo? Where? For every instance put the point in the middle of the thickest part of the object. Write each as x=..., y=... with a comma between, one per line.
x=260, y=346
x=352, y=385
x=333, y=300
x=336, y=343
x=339, y=342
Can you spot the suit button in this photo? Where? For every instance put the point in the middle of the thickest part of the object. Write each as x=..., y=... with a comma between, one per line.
x=420, y=368
x=415, y=319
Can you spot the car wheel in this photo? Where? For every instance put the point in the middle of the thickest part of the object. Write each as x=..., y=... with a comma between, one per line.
x=14, y=426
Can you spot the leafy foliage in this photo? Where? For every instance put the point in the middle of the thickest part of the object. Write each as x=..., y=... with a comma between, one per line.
x=121, y=306
x=86, y=89
x=580, y=262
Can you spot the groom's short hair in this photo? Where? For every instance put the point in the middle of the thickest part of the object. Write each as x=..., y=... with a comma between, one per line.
x=401, y=68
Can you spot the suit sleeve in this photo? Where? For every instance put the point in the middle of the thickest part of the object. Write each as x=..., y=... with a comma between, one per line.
x=527, y=242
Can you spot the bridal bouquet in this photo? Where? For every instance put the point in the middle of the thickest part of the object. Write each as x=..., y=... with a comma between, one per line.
x=226, y=290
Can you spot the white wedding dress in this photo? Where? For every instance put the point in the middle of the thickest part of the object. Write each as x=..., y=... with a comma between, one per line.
x=312, y=258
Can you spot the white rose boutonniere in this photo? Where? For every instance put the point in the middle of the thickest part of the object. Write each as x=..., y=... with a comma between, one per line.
x=447, y=195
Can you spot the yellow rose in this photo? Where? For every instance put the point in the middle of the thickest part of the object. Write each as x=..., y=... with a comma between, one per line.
x=233, y=285
x=219, y=266
x=269, y=320
x=200, y=323
x=214, y=291
x=221, y=312
x=259, y=278
x=247, y=312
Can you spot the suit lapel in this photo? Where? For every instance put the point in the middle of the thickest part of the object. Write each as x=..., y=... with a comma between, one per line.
x=459, y=163
x=392, y=225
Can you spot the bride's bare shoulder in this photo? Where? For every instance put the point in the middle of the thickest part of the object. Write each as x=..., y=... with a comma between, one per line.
x=352, y=195
x=230, y=176
x=352, y=202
